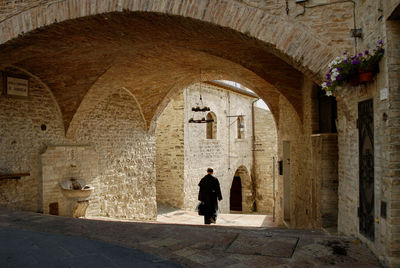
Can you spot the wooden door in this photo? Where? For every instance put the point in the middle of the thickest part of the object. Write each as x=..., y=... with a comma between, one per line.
x=366, y=168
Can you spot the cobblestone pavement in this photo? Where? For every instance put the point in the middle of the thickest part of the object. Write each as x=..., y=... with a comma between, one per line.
x=133, y=244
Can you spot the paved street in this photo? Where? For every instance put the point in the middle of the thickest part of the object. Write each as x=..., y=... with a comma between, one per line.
x=36, y=240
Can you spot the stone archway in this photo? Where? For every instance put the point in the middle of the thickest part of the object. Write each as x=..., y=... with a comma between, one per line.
x=85, y=59
x=242, y=17
x=247, y=192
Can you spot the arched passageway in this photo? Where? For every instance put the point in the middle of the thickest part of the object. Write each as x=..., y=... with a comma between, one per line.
x=103, y=71
x=155, y=45
x=85, y=61
x=184, y=149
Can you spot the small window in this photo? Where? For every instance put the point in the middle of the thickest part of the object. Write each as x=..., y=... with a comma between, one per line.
x=240, y=127
x=211, y=126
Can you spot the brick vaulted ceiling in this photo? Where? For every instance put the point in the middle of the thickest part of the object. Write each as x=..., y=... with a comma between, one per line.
x=149, y=54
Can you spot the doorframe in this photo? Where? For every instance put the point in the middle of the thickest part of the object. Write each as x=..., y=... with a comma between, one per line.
x=286, y=182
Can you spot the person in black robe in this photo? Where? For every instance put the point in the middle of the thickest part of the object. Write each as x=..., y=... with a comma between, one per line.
x=209, y=193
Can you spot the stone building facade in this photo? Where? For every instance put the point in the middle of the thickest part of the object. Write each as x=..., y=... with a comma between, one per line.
x=184, y=151
x=86, y=64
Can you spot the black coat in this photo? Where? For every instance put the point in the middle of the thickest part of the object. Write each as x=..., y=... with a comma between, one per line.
x=209, y=193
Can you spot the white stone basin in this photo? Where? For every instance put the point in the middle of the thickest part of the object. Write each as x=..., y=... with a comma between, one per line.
x=76, y=189
x=79, y=194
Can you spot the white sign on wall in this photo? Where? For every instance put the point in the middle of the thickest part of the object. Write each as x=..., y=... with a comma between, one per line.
x=17, y=86
x=384, y=94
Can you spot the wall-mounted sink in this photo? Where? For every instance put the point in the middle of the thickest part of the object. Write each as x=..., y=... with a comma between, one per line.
x=76, y=189
x=77, y=194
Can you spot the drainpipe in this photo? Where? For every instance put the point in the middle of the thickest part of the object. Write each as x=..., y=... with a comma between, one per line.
x=253, y=177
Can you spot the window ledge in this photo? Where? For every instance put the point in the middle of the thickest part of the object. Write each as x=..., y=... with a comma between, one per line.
x=15, y=176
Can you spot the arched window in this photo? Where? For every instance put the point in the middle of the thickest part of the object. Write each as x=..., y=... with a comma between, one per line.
x=240, y=127
x=211, y=126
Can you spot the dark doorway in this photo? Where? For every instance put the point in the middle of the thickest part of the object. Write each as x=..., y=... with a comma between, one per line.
x=236, y=194
x=327, y=113
x=366, y=168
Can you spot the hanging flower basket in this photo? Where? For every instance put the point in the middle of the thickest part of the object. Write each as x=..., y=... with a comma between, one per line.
x=354, y=81
x=365, y=77
x=353, y=70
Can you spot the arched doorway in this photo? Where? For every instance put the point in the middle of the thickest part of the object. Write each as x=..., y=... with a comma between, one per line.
x=235, y=201
x=242, y=196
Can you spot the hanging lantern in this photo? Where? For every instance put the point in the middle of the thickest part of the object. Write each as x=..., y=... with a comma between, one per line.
x=200, y=110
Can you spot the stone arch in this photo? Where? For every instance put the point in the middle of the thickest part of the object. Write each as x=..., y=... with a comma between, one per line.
x=296, y=44
x=100, y=90
x=85, y=44
x=247, y=188
x=267, y=92
x=59, y=114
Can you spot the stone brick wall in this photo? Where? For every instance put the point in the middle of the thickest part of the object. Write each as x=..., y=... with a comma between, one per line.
x=201, y=153
x=375, y=27
x=126, y=157
x=22, y=141
x=125, y=185
x=325, y=180
x=265, y=159
x=226, y=153
x=170, y=154
x=391, y=174
x=291, y=129
x=60, y=163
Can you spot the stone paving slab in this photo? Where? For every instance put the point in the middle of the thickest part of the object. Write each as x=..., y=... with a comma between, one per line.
x=191, y=217
x=19, y=248
x=266, y=245
x=189, y=245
